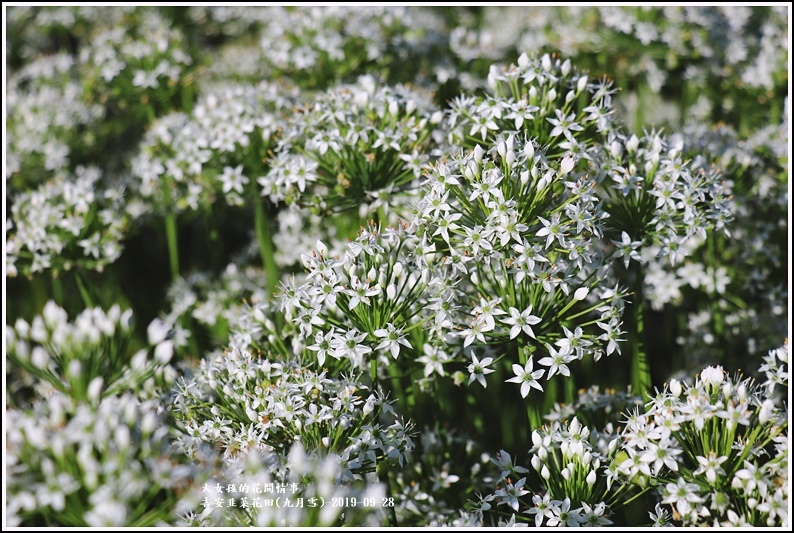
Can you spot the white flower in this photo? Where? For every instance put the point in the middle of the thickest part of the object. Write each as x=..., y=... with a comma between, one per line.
x=392, y=338
x=511, y=493
x=360, y=292
x=232, y=179
x=527, y=378
x=557, y=362
x=521, y=322
x=683, y=495
x=478, y=369
x=712, y=376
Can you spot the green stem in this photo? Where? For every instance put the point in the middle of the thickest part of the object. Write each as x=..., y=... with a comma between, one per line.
x=83, y=290
x=640, y=371
x=265, y=238
x=383, y=476
x=57, y=290
x=187, y=98
x=173, y=245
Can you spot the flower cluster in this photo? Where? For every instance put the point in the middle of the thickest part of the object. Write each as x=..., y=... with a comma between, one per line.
x=368, y=306
x=353, y=147
x=743, y=270
x=48, y=120
x=570, y=483
x=88, y=359
x=515, y=225
x=37, y=30
x=243, y=401
x=701, y=54
x=656, y=197
x=530, y=95
x=69, y=222
x=74, y=465
x=186, y=160
x=319, y=46
x=139, y=64
x=716, y=450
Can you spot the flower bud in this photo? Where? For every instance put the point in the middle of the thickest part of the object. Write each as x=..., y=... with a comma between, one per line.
x=712, y=376
x=38, y=332
x=675, y=387
x=122, y=437
x=22, y=328
x=567, y=164
x=138, y=361
x=95, y=389
x=552, y=94
x=157, y=331
x=493, y=77
x=632, y=144
x=40, y=358
x=543, y=454
x=501, y=149
x=510, y=159
x=163, y=352
x=533, y=95
x=74, y=369
x=615, y=149
x=581, y=85
x=529, y=150
x=581, y=293
x=591, y=478
x=569, y=97
x=766, y=411
x=565, y=473
x=478, y=153
x=544, y=473
x=613, y=445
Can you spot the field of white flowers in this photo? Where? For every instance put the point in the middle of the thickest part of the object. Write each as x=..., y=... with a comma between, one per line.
x=397, y=266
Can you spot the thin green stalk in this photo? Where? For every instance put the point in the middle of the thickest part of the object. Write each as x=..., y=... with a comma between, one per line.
x=265, y=238
x=173, y=245
x=83, y=290
x=57, y=290
x=640, y=370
